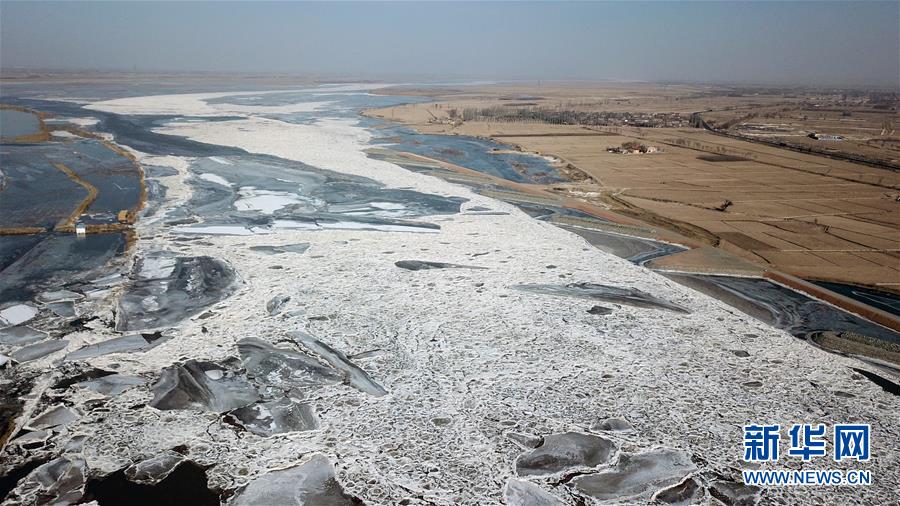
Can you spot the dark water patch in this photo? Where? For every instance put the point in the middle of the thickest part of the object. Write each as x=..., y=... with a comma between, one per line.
x=12, y=398
x=15, y=123
x=117, y=178
x=560, y=453
x=167, y=288
x=879, y=299
x=136, y=132
x=886, y=384
x=312, y=482
x=39, y=193
x=599, y=310
x=71, y=377
x=185, y=484
x=419, y=265
x=636, y=476
x=55, y=261
x=203, y=386
x=34, y=192
x=628, y=296
x=782, y=307
x=637, y=250
x=481, y=155
x=546, y=211
x=11, y=477
x=14, y=246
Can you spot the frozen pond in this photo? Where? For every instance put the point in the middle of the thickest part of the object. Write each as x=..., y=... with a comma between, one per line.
x=15, y=123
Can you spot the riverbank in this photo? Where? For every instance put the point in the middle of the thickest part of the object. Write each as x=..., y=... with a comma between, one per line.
x=812, y=217
x=697, y=259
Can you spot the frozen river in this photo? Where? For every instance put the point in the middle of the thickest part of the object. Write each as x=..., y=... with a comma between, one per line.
x=297, y=321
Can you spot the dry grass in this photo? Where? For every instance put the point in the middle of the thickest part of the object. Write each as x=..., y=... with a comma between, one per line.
x=808, y=215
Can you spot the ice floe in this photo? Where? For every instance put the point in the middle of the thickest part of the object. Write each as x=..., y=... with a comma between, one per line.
x=168, y=288
x=312, y=482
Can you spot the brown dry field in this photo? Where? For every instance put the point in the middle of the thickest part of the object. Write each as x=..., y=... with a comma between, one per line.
x=808, y=215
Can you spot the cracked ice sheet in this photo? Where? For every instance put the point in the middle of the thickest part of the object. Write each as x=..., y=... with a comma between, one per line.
x=466, y=364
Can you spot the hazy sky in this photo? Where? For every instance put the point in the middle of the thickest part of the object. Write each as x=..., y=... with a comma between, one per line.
x=781, y=42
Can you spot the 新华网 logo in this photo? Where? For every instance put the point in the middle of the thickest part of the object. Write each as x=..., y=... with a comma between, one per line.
x=763, y=443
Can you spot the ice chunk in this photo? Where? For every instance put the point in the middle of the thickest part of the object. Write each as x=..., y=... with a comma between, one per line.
x=310, y=483
x=276, y=303
x=637, y=475
x=65, y=308
x=355, y=376
x=154, y=469
x=20, y=335
x=684, y=493
x=564, y=452
x=189, y=387
x=525, y=493
x=525, y=441
x=134, y=342
x=733, y=493
x=214, y=178
x=612, y=424
x=38, y=350
x=629, y=296
x=54, y=417
x=59, y=296
x=283, y=369
x=113, y=384
x=276, y=417
x=169, y=288
x=599, y=310
x=287, y=248
x=17, y=314
x=58, y=482
x=36, y=436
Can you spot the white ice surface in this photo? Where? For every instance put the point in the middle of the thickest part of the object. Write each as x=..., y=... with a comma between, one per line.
x=16, y=314
x=214, y=178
